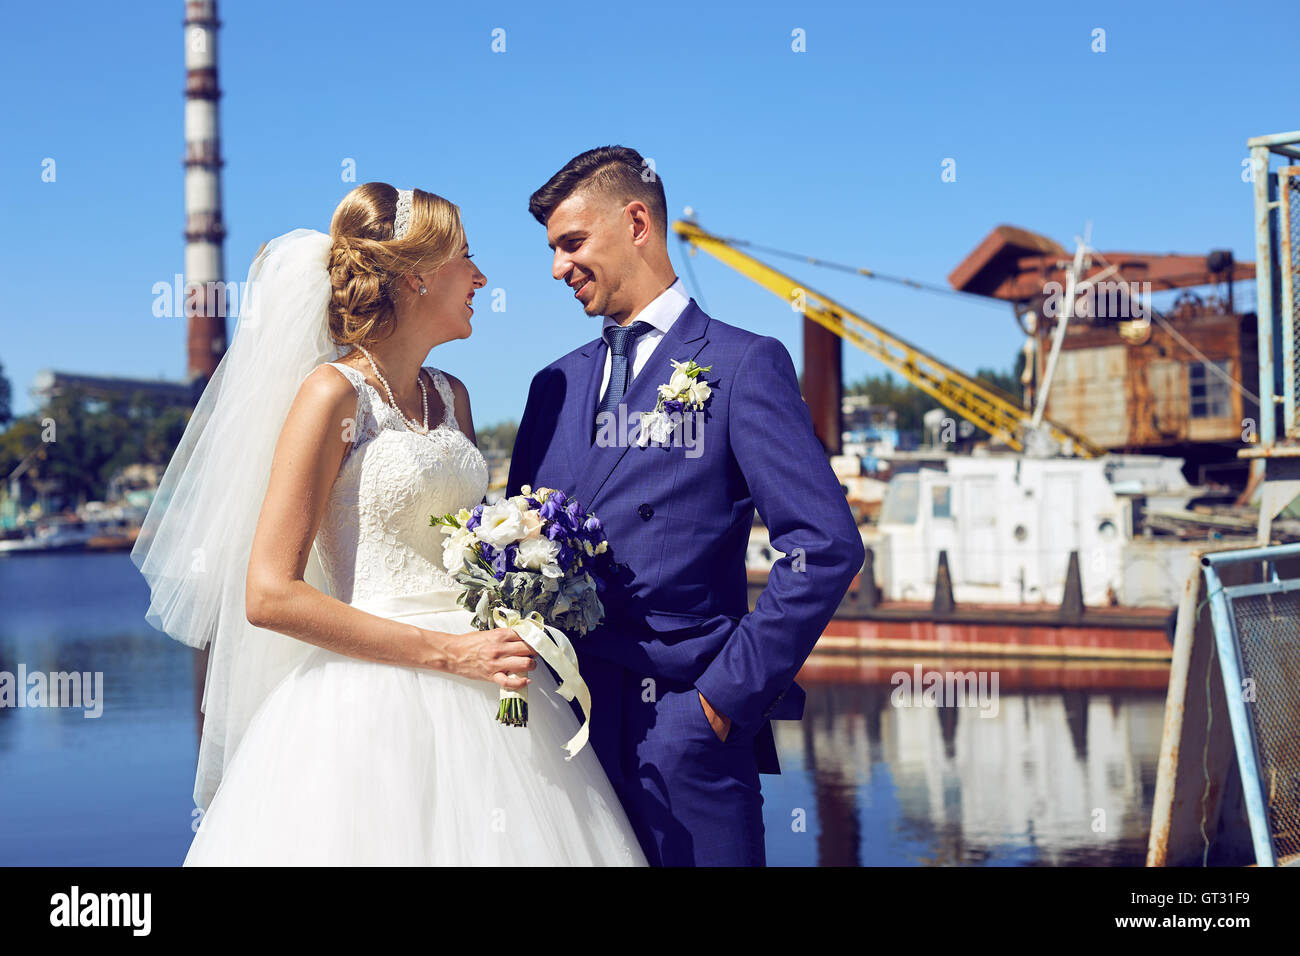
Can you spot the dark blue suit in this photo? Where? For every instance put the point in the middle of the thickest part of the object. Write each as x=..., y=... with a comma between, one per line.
x=677, y=621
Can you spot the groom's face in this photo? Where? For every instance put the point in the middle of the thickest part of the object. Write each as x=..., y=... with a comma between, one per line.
x=593, y=254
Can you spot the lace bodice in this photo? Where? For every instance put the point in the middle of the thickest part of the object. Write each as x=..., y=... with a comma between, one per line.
x=375, y=539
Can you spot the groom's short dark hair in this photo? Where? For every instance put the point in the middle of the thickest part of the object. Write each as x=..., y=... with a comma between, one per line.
x=616, y=171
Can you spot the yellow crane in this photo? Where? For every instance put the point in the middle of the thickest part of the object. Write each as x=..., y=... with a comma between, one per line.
x=990, y=408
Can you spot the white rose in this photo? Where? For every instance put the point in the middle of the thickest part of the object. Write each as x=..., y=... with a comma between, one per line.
x=501, y=524
x=535, y=553
x=643, y=433
x=698, y=393
x=458, y=546
x=679, y=383
x=661, y=427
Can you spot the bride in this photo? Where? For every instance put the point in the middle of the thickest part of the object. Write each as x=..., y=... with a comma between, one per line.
x=349, y=706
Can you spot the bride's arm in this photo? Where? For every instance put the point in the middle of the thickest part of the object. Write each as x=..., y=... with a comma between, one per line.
x=306, y=462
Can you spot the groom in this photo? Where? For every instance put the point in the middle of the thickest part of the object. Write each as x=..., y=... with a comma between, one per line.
x=684, y=678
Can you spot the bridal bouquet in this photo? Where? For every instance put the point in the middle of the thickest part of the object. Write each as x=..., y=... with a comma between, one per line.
x=536, y=563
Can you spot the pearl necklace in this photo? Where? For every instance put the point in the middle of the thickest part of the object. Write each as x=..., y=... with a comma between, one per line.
x=424, y=395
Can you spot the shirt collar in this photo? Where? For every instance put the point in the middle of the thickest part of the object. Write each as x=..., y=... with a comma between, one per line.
x=662, y=311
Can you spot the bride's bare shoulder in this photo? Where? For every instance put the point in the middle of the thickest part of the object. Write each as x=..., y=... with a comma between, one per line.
x=457, y=387
x=334, y=377
x=327, y=392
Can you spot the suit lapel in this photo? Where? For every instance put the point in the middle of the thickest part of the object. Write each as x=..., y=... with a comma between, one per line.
x=578, y=435
x=683, y=341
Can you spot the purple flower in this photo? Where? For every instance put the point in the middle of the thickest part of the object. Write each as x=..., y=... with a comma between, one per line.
x=551, y=509
x=500, y=563
x=565, y=557
x=474, y=516
x=532, y=503
x=672, y=405
x=487, y=551
x=573, y=515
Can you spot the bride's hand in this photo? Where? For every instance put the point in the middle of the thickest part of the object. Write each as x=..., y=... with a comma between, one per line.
x=492, y=656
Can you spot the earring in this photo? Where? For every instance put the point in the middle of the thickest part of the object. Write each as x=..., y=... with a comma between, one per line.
x=423, y=290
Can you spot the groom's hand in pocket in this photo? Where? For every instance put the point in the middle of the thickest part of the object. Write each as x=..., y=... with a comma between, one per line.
x=720, y=723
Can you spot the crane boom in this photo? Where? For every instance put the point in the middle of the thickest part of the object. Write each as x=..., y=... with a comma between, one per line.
x=987, y=407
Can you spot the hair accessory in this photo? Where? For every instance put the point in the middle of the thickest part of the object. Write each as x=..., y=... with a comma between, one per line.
x=402, y=218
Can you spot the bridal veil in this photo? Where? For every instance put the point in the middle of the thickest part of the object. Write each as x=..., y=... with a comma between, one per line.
x=194, y=545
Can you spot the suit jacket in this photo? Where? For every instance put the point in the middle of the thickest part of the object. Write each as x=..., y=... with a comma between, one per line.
x=678, y=516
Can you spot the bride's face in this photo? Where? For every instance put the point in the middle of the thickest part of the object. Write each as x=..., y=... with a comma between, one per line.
x=451, y=291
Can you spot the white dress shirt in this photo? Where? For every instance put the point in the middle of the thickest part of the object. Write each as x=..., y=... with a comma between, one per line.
x=662, y=312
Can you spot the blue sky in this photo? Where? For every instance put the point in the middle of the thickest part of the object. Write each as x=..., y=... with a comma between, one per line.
x=834, y=152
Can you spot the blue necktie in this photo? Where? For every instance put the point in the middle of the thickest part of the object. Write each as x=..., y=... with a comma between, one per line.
x=621, y=341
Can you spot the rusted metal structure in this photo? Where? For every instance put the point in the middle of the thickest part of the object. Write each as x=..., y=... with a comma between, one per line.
x=1129, y=377
x=823, y=382
x=205, y=229
x=1276, y=457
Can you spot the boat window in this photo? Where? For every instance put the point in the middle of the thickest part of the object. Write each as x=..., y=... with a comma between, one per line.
x=1210, y=395
x=941, y=501
x=899, y=506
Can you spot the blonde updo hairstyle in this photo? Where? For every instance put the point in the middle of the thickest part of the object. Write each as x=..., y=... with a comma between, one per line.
x=366, y=264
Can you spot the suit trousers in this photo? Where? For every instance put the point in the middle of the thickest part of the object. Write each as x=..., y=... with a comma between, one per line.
x=693, y=800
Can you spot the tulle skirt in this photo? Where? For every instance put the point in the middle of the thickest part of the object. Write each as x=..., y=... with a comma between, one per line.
x=350, y=762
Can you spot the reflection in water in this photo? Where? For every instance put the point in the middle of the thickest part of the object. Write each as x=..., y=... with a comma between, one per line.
x=1063, y=774
x=112, y=790
x=1055, y=777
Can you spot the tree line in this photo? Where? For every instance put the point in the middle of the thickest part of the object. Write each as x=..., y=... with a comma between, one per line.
x=911, y=403
x=80, y=442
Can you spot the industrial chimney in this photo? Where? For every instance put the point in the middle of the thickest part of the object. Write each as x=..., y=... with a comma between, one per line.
x=205, y=230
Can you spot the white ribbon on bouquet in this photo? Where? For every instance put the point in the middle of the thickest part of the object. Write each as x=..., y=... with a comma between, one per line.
x=557, y=651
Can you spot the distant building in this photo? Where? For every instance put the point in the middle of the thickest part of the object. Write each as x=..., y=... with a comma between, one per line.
x=48, y=383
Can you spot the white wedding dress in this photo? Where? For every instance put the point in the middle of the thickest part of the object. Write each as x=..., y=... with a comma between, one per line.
x=349, y=762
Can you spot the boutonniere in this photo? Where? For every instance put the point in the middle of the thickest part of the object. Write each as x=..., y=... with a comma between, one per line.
x=684, y=392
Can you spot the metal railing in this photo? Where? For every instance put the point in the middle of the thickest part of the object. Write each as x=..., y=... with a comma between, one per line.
x=1277, y=280
x=1257, y=635
x=1288, y=180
